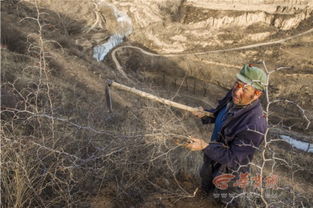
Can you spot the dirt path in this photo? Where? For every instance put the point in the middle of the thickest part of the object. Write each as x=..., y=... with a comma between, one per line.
x=119, y=67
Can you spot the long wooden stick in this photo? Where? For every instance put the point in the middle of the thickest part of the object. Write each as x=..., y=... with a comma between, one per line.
x=156, y=98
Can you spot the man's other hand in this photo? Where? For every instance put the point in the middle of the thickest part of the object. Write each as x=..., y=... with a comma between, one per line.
x=195, y=144
x=199, y=113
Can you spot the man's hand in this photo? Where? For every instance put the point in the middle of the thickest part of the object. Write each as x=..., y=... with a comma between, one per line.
x=196, y=144
x=199, y=113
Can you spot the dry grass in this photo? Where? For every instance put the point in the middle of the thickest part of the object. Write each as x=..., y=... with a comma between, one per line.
x=60, y=147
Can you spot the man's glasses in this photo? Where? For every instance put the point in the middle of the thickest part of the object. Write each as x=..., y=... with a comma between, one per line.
x=244, y=86
x=239, y=85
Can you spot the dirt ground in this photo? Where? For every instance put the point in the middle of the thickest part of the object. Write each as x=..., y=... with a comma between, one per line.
x=62, y=148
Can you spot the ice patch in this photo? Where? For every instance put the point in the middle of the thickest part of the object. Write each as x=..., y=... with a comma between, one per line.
x=305, y=146
x=100, y=51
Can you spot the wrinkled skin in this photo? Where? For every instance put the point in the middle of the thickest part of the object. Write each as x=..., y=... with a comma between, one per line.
x=244, y=94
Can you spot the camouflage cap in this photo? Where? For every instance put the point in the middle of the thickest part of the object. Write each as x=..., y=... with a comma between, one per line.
x=253, y=76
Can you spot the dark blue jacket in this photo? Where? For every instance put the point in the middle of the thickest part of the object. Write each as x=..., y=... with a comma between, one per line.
x=241, y=135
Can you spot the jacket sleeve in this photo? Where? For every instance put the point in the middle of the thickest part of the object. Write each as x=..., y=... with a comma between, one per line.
x=207, y=119
x=238, y=152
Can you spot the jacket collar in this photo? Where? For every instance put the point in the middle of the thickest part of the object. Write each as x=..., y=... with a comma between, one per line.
x=239, y=109
x=235, y=112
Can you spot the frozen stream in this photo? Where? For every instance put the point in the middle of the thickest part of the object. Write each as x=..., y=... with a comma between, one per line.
x=100, y=51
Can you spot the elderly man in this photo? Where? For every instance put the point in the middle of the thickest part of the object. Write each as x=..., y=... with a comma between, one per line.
x=239, y=129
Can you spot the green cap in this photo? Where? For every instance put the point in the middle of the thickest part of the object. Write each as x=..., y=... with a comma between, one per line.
x=253, y=76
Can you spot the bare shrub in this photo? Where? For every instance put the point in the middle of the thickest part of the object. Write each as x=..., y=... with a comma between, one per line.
x=59, y=147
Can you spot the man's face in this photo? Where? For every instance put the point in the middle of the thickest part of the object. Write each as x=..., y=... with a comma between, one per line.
x=244, y=94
